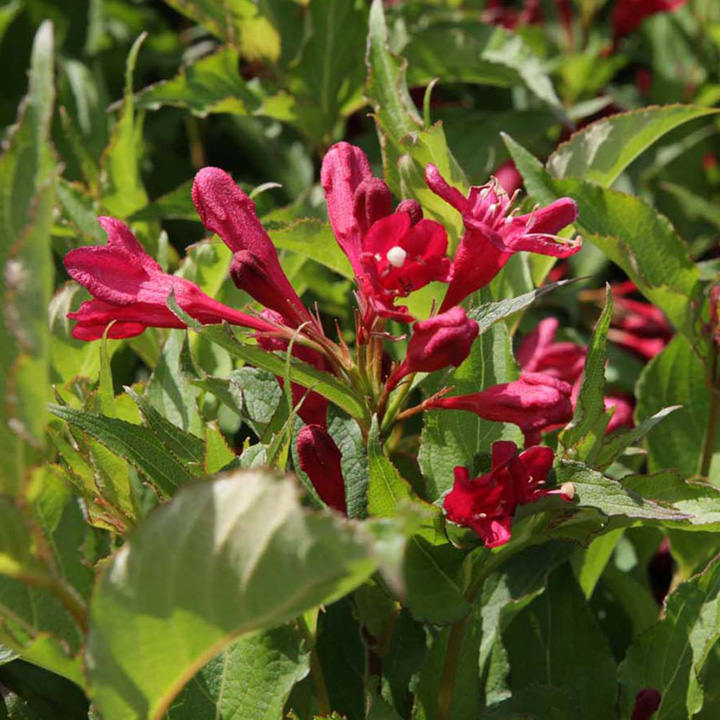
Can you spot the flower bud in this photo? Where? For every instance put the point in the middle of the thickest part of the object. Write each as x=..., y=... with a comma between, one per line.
x=412, y=208
x=372, y=201
x=647, y=701
x=320, y=459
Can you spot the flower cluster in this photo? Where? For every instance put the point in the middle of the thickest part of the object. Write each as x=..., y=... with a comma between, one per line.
x=393, y=252
x=487, y=503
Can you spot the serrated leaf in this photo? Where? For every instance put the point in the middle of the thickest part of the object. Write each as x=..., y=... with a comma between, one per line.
x=27, y=169
x=386, y=487
x=676, y=377
x=252, y=678
x=587, y=427
x=473, y=52
x=619, y=225
x=245, y=534
x=353, y=461
x=670, y=655
x=212, y=84
x=601, y=151
x=217, y=452
x=132, y=442
x=592, y=489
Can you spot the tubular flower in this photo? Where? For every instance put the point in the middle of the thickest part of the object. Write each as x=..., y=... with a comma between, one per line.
x=487, y=504
x=320, y=459
x=539, y=353
x=628, y=15
x=437, y=343
x=533, y=403
x=493, y=234
x=313, y=406
x=391, y=253
x=129, y=287
x=228, y=212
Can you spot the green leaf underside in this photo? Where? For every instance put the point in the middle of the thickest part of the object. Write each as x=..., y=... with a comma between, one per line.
x=244, y=535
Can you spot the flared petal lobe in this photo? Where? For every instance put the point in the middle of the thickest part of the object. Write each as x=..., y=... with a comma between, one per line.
x=129, y=287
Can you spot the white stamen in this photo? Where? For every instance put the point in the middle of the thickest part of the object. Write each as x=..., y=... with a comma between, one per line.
x=568, y=490
x=492, y=208
x=484, y=192
x=378, y=257
x=396, y=256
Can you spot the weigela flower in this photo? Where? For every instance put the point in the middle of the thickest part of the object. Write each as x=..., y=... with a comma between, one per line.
x=533, y=403
x=538, y=352
x=319, y=458
x=438, y=342
x=487, y=504
x=313, y=406
x=493, y=233
x=498, y=13
x=129, y=287
x=228, y=212
x=628, y=15
x=391, y=253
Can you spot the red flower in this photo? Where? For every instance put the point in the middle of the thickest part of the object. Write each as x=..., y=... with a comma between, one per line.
x=647, y=701
x=230, y=213
x=492, y=234
x=130, y=287
x=623, y=411
x=497, y=13
x=487, y=503
x=508, y=176
x=392, y=254
x=533, y=403
x=539, y=353
x=320, y=459
x=629, y=14
x=314, y=407
x=438, y=342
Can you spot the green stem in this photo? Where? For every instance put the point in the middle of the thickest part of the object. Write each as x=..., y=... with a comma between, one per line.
x=708, y=445
x=450, y=668
x=316, y=672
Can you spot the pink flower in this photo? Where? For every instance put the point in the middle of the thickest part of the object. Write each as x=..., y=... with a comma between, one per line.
x=391, y=253
x=314, y=407
x=628, y=15
x=228, y=212
x=533, y=403
x=647, y=701
x=129, y=287
x=320, y=459
x=487, y=503
x=539, y=353
x=622, y=416
x=438, y=342
x=493, y=234
x=508, y=176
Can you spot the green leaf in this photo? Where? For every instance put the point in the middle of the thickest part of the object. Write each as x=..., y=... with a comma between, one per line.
x=327, y=75
x=453, y=437
x=432, y=593
x=676, y=377
x=134, y=443
x=386, y=487
x=508, y=590
x=614, y=499
x=670, y=655
x=587, y=427
x=589, y=563
x=183, y=445
x=619, y=225
x=314, y=240
x=244, y=534
x=601, y=151
x=212, y=84
x=27, y=170
x=557, y=641
x=472, y=52
x=250, y=679
x=217, y=452
x=488, y=313
x=321, y=382
x=406, y=146
x=353, y=461
x=121, y=188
